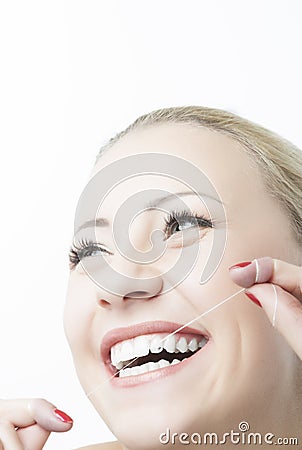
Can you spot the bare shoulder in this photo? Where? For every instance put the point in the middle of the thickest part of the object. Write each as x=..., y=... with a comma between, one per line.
x=105, y=446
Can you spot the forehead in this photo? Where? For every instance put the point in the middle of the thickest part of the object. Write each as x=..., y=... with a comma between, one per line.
x=220, y=158
x=193, y=143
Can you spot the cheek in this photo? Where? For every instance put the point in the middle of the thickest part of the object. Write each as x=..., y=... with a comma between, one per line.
x=255, y=232
x=240, y=330
x=203, y=296
x=78, y=315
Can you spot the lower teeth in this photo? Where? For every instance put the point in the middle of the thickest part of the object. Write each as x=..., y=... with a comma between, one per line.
x=148, y=367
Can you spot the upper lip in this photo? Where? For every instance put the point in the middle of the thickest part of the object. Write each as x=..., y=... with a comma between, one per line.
x=121, y=334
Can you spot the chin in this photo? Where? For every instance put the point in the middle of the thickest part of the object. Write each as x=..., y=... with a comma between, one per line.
x=143, y=431
x=139, y=424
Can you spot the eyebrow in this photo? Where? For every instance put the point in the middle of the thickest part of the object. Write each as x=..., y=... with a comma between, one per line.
x=155, y=203
x=102, y=222
x=97, y=222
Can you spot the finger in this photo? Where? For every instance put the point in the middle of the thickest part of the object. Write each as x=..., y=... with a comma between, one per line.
x=48, y=416
x=8, y=436
x=33, y=437
x=287, y=311
x=25, y=412
x=286, y=275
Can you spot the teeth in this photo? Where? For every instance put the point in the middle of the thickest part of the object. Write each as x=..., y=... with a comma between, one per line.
x=135, y=370
x=112, y=355
x=163, y=363
x=170, y=344
x=175, y=361
x=182, y=345
x=118, y=365
x=125, y=372
x=202, y=343
x=193, y=346
x=139, y=369
x=126, y=351
x=151, y=366
x=123, y=352
x=141, y=346
x=148, y=367
x=156, y=345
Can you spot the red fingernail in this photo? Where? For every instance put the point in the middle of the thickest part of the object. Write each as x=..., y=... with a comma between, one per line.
x=63, y=416
x=239, y=265
x=253, y=298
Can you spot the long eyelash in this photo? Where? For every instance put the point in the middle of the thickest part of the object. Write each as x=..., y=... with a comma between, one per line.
x=181, y=216
x=73, y=257
x=75, y=250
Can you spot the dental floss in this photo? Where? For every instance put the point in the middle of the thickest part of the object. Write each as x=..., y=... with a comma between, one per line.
x=171, y=334
x=203, y=314
x=257, y=270
x=276, y=305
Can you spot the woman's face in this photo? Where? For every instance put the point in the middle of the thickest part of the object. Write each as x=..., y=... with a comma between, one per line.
x=233, y=376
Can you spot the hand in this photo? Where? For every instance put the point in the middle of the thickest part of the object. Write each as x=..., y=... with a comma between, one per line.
x=25, y=424
x=287, y=279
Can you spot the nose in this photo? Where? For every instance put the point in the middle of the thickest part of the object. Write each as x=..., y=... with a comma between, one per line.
x=129, y=282
x=134, y=271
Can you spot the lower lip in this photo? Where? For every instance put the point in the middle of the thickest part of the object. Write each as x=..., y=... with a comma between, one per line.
x=153, y=375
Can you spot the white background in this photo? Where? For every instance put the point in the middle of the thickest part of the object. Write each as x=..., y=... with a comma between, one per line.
x=72, y=74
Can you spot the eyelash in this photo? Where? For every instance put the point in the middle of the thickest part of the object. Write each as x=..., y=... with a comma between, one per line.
x=84, y=246
x=177, y=218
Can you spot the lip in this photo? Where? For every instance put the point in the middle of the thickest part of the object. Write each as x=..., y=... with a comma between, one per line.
x=123, y=333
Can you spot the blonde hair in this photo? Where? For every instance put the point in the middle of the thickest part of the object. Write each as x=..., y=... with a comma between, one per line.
x=280, y=161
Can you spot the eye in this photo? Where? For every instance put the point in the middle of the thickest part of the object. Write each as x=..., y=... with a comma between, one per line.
x=84, y=249
x=179, y=221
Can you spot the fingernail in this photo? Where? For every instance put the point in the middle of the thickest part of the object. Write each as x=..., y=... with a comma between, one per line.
x=253, y=298
x=240, y=265
x=63, y=417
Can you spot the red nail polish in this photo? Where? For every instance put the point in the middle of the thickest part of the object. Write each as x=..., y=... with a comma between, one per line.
x=253, y=298
x=62, y=416
x=239, y=265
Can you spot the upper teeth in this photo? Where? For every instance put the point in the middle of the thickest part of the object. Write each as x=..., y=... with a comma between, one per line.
x=124, y=351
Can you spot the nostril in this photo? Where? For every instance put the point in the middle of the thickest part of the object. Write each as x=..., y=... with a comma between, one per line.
x=103, y=303
x=138, y=294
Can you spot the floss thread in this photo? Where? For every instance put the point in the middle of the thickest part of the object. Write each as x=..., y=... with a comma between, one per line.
x=276, y=305
x=257, y=270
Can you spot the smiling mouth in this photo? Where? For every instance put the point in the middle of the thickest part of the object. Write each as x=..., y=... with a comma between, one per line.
x=149, y=352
